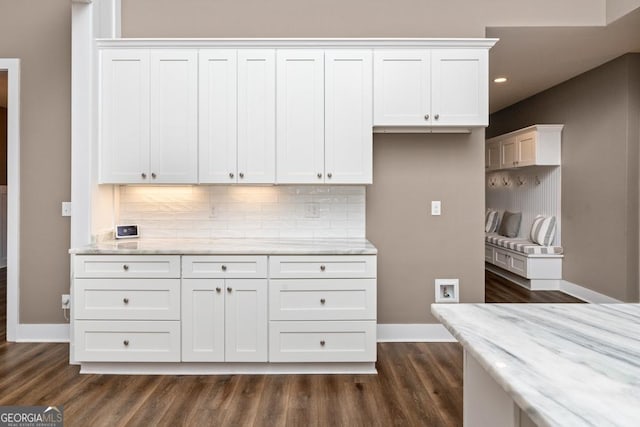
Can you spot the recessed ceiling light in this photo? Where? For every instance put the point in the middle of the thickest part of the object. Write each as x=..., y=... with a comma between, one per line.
x=500, y=79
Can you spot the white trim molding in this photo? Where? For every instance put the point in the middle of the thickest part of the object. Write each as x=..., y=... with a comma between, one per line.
x=39, y=332
x=413, y=332
x=336, y=43
x=586, y=294
x=12, y=66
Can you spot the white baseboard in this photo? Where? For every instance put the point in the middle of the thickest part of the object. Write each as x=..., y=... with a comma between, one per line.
x=420, y=332
x=42, y=332
x=586, y=294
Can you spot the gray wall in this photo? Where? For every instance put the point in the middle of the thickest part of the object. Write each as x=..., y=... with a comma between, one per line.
x=600, y=140
x=39, y=33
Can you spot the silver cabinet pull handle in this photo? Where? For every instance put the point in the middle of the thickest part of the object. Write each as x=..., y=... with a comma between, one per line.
x=437, y=116
x=125, y=300
x=224, y=268
x=426, y=117
x=329, y=175
x=322, y=343
x=153, y=175
x=125, y=342
x=241, y=175
x=143, y=175
x=218, y=289
x=229, y=289
x=323, y=268
x=125, y=267
x=231, y=175
x=322, y=301
x=319, y=175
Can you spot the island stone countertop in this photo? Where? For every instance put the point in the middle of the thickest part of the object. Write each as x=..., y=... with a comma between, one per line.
x=238, y=246
x=562, y=364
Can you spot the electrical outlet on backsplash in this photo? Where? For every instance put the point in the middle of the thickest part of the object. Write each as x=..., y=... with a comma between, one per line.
x=208, y=211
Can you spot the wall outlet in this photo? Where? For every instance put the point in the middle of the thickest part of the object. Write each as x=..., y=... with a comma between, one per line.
x=66, y=301
x=311, y=210
x=447, y=290
x=436, y=207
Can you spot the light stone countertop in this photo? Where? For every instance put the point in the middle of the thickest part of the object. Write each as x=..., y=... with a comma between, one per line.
x=563, y=364
x=238, y=246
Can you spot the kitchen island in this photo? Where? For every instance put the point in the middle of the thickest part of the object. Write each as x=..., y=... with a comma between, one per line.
x=548, y=364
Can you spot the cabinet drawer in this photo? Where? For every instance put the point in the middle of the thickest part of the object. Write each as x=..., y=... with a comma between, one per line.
x=127, y=341
x=131, y=266
x=322, y=341
x=240, y=267
x=518, y=264
x=324, y=266
x=126, y=299
x=501, y=258
x=322, y=299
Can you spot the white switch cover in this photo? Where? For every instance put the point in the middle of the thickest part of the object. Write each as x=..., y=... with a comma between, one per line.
x=436, y=207
x=66, y=208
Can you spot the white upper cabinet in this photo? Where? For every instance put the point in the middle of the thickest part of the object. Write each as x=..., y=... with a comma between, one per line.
x=459, y=87
x=402, y=87
x=217, y=113
x=124, y=116
x=348, y=117
x=174, y=116
x=537, y=145
x=492, y=156
x=256, y=116
x=300, y=116
x=149, y=116
x=431, y=87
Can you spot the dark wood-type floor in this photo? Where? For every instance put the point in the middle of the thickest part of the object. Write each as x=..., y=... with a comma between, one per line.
x=500, y=290
x=418, y=384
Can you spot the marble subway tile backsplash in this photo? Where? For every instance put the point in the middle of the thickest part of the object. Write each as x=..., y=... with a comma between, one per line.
x=239, y=211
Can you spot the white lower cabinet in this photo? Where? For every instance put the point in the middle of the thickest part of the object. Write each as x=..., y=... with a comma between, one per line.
x=224, y=318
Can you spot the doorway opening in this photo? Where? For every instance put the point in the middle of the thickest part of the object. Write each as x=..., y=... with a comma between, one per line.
x=9, y=197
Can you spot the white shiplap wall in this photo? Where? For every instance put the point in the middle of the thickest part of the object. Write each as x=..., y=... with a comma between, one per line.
x=209, y=211
x=519, y=191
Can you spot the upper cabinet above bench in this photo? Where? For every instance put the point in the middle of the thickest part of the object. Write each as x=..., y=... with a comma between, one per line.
x=537, y=145
x=277, y=111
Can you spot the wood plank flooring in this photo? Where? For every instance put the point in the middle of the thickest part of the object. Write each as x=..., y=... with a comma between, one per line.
x=418, y=384
x=500, y=290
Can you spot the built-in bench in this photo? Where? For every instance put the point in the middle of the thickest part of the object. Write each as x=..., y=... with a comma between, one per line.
x=524, y=262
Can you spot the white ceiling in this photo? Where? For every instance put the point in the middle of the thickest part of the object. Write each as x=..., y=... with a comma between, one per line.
x=3, y=89
x=537, y=58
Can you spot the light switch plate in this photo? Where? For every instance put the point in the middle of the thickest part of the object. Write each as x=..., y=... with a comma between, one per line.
x=436, y=207
x=66, y=208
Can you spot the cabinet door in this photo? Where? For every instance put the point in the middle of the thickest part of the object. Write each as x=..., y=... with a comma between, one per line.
x=256, y=116
x=246, y=320
x=460, y=88
x=217, y=113
x=527, y=149
x=492, y=156
x=508, y=153
x=402, y=87
x=203, y=320
x=124, y=113
x=348, y=117
x=300, y=116
x=174, y=116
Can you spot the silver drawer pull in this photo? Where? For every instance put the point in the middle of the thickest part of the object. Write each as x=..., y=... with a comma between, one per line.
x=229, y=289
x=224, y=268
x=322, y=301
x=322, y=343
x=125, y=267
x=125, y=342
x=218, y=289
x=125, y=300
x=323, y=268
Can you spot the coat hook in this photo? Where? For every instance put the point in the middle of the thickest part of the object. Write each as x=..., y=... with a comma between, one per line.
x=505, y=181
x=537, y=180
x=521, y=181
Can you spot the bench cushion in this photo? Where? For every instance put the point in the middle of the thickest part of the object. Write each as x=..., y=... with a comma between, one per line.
x=522, y=245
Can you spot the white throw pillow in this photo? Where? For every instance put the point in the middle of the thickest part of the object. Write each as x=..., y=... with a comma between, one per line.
x=543, y=230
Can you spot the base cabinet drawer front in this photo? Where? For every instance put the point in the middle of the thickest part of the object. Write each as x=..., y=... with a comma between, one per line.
x=501, y=258
x=323, y=266
x=243, y=267
x=127, y=266
x=322, y=299
x=127, y=341
x=322, y=341
x=518, y=264
x=127, y=299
